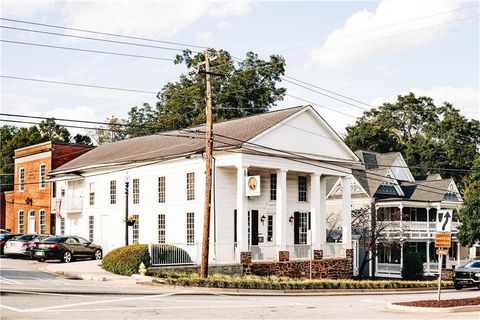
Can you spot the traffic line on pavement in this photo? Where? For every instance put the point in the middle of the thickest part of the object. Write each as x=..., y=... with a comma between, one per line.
x=9, y=281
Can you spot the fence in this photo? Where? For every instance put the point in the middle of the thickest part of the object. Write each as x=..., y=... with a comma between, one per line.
x=162, y=254
x=299, y=251
x=264, y=252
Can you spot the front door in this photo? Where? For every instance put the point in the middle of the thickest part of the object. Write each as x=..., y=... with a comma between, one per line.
x=53, y=221
x=300, y=225
x=254, y=224
x=31, y=221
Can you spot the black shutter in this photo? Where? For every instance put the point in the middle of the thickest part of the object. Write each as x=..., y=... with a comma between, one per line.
x=296, y=227
x=309, y=221
x=235, y=225
x=254, y=227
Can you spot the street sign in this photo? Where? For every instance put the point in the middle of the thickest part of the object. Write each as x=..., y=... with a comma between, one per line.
x=442, y=251
x=444, y=220
x=443, y=240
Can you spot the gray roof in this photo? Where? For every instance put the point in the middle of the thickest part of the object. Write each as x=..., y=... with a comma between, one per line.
x=426, y=190
x=375, y=160
x=176, y=143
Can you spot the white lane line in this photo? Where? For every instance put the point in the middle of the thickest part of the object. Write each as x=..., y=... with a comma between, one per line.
x=10, y=308
x=10, y=281
x=87, y=295
x=52, y=281
x=166, y=308
x=56, y=307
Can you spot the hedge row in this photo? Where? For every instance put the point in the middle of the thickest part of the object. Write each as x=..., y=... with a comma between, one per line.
x=126, y=260
x=284, y=283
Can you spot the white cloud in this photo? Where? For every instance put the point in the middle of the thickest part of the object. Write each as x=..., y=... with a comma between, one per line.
x=205, y=37
x=466, y=99
x=147, y=18
x=24, y=8
x=357, y=40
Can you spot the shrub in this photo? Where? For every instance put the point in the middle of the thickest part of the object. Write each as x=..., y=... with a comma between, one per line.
x=126, y=260
x=284, y=283
x=412, y=266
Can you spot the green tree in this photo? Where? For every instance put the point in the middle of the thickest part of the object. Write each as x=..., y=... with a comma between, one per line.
x=469, y=214
x=51, y=131
x=245, y=88
x=412, y=268
x=82, y=139
x=114, y=131
x=428, y=136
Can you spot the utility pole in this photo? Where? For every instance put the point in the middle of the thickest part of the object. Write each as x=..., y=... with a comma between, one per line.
x=208, y=171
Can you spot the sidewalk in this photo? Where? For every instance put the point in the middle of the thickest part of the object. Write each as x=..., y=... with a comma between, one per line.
x=86, y=270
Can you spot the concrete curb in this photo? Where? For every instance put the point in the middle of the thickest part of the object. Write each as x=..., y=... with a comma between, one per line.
x=312, y=292
x=408, y=309
x=74, y=275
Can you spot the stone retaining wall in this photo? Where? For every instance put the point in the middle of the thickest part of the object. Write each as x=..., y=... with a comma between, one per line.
x=230, y=269
x=332, y=268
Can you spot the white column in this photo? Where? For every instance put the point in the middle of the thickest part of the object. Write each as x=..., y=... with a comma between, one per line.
x=323, y=212
x=347, y=212
x=428, y=257
x=401, y=255
x=281, y=210
x=315, y=210
x=242, y=210
x=458, y=254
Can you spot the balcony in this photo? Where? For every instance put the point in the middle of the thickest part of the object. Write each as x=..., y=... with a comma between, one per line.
x=73, y=204
x=413, y=229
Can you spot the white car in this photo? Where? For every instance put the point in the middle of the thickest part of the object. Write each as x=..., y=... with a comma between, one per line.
x=22, y=245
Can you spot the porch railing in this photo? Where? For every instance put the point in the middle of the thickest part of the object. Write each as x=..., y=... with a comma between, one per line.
x=162, y=254
x=73, y=203
x=264, y=252
x=299, y=251
x=332, y=250
x=389, y=268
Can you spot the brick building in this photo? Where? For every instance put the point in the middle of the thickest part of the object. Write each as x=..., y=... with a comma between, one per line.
x=29, y=206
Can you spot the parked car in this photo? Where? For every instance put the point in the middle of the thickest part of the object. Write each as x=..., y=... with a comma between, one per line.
x=22, y=245
x=2, y=231
x=467, y=275
x=4, y=237
x=66, y=249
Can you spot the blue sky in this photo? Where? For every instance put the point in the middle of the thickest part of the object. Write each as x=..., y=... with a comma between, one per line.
x=369, y=51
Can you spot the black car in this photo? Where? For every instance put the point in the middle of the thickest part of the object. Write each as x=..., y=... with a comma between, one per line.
x=65, y=249
x=467, y=275
x=4, y=237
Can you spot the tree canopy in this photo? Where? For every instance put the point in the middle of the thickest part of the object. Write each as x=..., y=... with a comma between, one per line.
x=469, y=215
x=244, y=88
x=430, y=137
x=13, y=138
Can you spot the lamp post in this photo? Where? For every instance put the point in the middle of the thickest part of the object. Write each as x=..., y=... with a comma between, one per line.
x=127, y=181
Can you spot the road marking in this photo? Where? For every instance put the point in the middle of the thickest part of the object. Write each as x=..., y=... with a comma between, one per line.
x=10, y=308
x=9, y=281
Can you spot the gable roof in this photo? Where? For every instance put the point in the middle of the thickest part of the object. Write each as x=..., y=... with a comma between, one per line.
x=427, y=190
x=176, y=143
x=375, y=160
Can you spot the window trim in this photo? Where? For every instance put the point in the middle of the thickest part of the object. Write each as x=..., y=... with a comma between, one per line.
x=162, y=189
x=162, y=223
x=136, y=230
x=44, y=224
x=113, y=191
x=302, y=194
x=22, y=229
x=41, y=180
x=190, y=228
x=190, y=186
x=21, y=179
x=273, y=187
x=91, y=228
x=136, y=191
x=91, y=193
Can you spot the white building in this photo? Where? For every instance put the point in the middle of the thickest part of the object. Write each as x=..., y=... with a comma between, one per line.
x=292, y=151
x=406, y=208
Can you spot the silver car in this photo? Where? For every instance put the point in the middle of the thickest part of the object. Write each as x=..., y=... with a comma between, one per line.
x=22, y=245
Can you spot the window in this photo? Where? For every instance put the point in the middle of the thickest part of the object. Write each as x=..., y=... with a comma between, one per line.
x=161, y=228
x=190, y=228
x=54, y=189
x=273, y=186
x=21, y=179
x=42, y=221
x=302, y=227
x=21, y=221
x=91, y=193
x=113, y=192
x=270, y=228
x=161, y=189
x=191, y=186
x=302, y=188
x=136, y=228
x=42, y=176
x=136, y=191
x=62, y=226
x=91, y=220
x=62, y=192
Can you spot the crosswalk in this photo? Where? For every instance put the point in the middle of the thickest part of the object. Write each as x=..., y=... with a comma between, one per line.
x=32, y=280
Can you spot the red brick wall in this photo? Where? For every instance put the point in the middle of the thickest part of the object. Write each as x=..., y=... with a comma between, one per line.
x=52, y=155
x=2, y=210
x=9, y=216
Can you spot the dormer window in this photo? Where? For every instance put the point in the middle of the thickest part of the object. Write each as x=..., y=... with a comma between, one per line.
x=388, y=186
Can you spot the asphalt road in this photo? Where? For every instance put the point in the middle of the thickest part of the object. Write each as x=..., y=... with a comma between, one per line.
x=19, y=281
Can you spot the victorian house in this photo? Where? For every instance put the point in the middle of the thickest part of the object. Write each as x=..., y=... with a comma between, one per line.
x=405, y=208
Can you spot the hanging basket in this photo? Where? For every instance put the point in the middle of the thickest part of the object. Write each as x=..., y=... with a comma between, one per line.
x=130, y=223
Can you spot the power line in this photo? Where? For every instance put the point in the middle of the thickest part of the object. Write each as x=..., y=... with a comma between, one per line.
x=321, y=106
x=85, y=50
x=95, y=39
x=77, y=84
x=103, y=33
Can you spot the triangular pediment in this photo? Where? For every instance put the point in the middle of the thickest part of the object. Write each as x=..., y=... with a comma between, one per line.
x=307, y=133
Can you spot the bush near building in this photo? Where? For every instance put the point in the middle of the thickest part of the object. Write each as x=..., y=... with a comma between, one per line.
x=126, y=260
x=412, y=268
x=285, y=283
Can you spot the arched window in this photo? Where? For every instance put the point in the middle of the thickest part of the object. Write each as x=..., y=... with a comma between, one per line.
x=21, y=221
x=41, y=218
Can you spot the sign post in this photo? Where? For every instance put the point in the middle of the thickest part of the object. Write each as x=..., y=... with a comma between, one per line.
x=443, y=241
